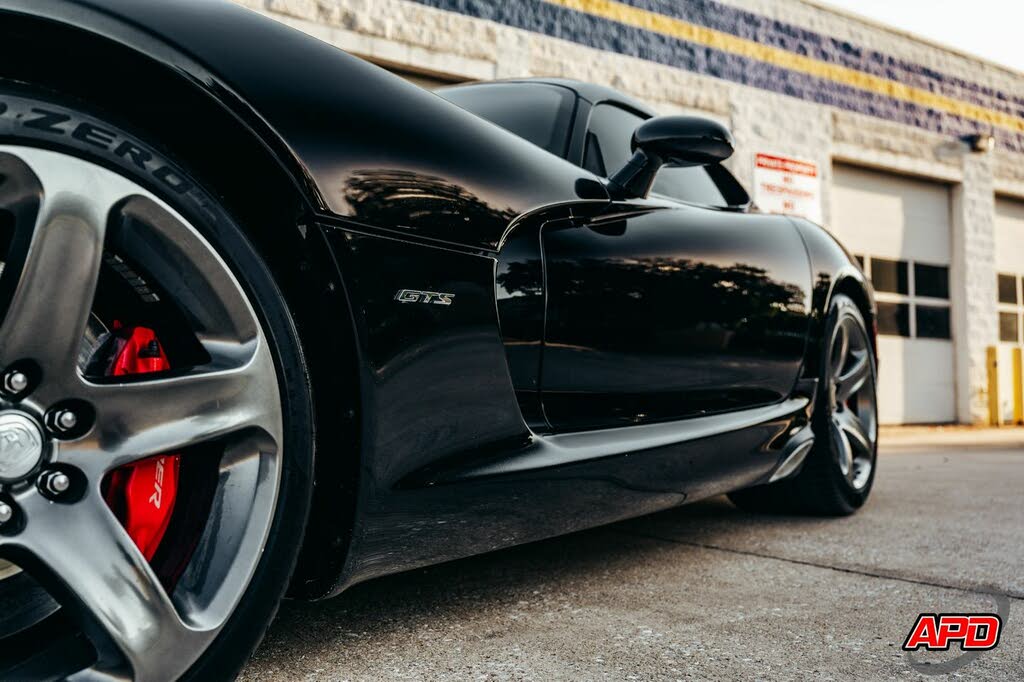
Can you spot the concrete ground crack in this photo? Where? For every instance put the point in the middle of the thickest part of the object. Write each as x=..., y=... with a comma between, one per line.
x=973, y=589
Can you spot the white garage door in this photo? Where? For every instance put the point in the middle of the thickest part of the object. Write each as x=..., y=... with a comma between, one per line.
x=1010, y=266
x=899, y=228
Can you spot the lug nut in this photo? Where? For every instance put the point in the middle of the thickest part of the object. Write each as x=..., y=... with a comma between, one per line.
x=54, y=483
x=69, y=419
x=65, y=420
x=6, y=513
x=15, y=382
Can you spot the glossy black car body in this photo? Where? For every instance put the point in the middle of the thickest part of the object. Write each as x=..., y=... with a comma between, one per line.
x=599, y=358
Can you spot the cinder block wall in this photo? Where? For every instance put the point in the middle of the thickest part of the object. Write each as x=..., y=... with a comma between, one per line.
x=826, y=87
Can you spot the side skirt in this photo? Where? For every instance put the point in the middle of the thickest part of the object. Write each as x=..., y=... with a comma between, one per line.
x=557, y=484
x=574, y=448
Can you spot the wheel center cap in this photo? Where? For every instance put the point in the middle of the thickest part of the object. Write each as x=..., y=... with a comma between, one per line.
x=21, y=445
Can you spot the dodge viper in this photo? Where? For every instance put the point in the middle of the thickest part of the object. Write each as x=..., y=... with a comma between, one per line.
x=274, y=321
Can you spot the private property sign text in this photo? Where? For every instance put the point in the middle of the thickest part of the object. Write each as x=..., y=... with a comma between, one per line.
x=785, y=185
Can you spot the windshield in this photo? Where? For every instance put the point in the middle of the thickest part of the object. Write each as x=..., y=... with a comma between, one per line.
x=537, y=112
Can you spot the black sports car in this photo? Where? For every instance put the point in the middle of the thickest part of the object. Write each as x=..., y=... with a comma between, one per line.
x=273, y=318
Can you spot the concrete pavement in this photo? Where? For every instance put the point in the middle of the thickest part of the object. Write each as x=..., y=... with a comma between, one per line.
x=701, y=592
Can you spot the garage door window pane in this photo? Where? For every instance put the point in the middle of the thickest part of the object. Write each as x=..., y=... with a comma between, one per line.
x=889, y=275
x=932, y=322
x=931, y=280
x=894, y=319
x=1007, y=289
x=1008, y=328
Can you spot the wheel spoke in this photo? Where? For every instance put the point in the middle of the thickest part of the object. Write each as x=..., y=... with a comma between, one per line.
x=840, y=348
x=47, y=316
x=856, y=432
x=852, y=380
x=142, y=418
x=50, y=304
x=109, y=582
x=844, y=451
x=188, y=269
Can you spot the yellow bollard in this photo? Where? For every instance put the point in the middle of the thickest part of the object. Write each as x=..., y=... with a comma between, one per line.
x=1018, y=388
x=993, y=386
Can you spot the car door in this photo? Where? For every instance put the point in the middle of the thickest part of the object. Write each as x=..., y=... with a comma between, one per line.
x=660, y=310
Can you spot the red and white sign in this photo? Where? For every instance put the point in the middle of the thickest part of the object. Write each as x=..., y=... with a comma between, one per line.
x=785, y=185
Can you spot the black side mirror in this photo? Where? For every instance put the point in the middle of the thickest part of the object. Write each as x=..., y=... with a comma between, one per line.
x=673, y=140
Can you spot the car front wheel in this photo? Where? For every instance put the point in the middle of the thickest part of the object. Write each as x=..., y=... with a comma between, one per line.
x=155, y=417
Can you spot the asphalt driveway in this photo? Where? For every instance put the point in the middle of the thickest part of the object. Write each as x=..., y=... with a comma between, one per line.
x=701, y=592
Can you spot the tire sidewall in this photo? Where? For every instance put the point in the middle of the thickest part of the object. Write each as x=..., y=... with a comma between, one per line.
x=41, y=119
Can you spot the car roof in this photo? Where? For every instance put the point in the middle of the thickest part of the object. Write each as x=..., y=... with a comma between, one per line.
x=592, y=92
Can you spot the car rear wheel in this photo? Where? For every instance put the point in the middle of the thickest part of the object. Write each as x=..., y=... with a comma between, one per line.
x=155, y=417
x=837, y=477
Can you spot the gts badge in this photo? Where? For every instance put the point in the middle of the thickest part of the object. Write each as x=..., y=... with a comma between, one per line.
x=434, y=297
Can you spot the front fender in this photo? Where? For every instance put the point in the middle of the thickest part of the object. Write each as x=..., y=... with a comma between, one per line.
x=834, y=271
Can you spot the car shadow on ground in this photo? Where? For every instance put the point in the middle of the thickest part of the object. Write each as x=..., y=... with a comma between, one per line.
x=497, y=580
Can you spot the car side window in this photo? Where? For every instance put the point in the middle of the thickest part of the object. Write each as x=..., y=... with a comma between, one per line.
x=608, y=139
x=536, y=112
x=608, y=149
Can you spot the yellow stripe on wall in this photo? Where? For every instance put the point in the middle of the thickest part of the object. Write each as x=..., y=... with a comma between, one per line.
x=676, y=28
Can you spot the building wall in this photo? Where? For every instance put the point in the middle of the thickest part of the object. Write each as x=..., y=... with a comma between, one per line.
x=788, y=76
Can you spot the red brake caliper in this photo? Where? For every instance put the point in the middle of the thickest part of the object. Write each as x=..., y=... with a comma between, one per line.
x=142, y=494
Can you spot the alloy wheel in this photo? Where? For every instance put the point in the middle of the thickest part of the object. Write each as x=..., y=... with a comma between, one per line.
x=63, y=431
x=853, y=414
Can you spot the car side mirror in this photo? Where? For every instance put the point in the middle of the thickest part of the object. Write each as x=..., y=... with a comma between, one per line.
x=670, y=140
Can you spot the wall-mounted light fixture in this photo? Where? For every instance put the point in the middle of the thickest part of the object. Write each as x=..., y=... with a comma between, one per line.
x=980, y=142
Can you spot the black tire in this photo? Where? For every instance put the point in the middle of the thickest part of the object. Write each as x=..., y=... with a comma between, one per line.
x=820, y=487
x=171, y=181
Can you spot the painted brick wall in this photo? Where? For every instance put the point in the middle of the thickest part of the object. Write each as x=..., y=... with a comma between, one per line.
x=973, y=285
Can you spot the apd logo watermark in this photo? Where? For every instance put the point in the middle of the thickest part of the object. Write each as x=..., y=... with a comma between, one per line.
x=970, y=633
